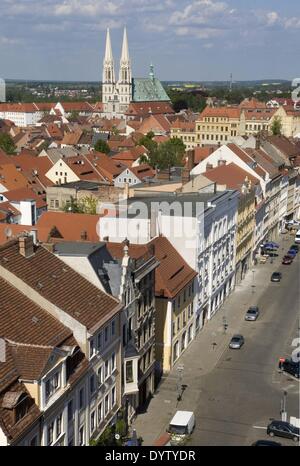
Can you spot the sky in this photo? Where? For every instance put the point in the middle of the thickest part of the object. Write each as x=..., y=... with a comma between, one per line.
x=200, y=40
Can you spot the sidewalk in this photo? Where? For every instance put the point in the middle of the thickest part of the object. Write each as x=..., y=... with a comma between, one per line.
x=203, y=354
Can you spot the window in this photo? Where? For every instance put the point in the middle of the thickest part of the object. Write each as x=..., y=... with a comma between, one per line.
x=106, y=334
x=113, y=362
x=113, y=397
x=100, y=412
x=113, y=327
x=81, y=398
x=58, y=425
x=106, y=370
x=93, y=423
x=33, y=442
x=129, y=371
x=99, y=340
x=81, y=436
x=92, y=348
x=52, y=385
x=70, y=410
x=50, y=433
x=184, y=296
x=100, y=375
x=92, y=384
x=106, y=404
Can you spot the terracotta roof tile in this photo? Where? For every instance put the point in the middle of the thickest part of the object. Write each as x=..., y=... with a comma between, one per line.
x=230, y=175
x=173, y=274
x=71, y=226
x=60, y=284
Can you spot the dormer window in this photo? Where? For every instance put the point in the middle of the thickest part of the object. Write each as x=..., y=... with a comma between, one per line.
x=18, y=403
x=52, y=385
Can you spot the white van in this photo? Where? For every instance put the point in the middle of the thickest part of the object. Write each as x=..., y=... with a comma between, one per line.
x=297, y=237
x=183, y=423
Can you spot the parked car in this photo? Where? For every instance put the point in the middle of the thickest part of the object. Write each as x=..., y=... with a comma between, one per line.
x=266, y=443
x=283, y=429
x=295, y=247
x=236, y=342
x=276, y=277
x=297, y=238
x=291, y=367
x=292, y=253
x=252, y=313
x=287, y=260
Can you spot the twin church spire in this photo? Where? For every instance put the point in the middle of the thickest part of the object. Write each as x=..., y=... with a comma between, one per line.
x=108, y=63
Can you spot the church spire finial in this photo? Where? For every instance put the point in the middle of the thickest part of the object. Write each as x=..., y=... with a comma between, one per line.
x=125, y=50
x=151, y=74
x=108, y=63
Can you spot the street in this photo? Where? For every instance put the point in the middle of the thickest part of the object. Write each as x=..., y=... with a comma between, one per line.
x=238, y=398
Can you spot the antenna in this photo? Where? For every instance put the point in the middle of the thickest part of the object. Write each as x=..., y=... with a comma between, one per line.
x=231, y=83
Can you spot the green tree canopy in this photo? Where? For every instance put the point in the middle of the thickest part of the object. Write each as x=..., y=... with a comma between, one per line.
x=276, y=126
x=166, y=155
x=7, y=144
x=102, y=146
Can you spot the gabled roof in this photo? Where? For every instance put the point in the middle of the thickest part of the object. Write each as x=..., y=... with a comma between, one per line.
x=73, y=227
x=143, y=171
x=140, y=109
x=155, y=123
x=225, y=112
x=60, y=284
x=21, y=194
x=230, y=175
x=11, y=178
x=173, y=274
x=148, y=90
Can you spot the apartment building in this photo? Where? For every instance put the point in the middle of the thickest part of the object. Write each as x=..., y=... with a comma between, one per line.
x=175, y=291
x=217, y=125
x=73, y=373
x=185, y=130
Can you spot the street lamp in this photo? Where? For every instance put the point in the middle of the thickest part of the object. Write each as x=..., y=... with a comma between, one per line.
x=180, y=370
x=283, y=411
x=253, y=286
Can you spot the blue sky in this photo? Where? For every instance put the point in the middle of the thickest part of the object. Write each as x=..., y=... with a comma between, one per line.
x=185, y=39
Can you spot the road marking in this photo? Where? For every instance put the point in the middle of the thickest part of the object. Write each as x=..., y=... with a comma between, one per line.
x=259, y=427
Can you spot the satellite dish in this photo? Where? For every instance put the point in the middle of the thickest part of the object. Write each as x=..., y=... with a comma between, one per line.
x=117, y=437
x=8, y=232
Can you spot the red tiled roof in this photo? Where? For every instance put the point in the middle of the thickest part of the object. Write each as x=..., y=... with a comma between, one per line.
x=143, y=171
x=173, y=274
x=71, y=226
x=155, y=123
x=25, y=193
x=11, y=178
x=225, y=112
x=146, y=108
x=60, y=284
x=230, y=176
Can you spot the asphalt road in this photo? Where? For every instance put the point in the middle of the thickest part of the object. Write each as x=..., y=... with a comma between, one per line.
x=238, y=398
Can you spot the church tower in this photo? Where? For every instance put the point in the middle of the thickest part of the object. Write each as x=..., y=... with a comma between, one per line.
x=108, y=78
x=125, y=76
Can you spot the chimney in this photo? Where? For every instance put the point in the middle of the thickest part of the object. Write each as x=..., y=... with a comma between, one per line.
x=185, y=175
x=257, y=142
x=84, y=235
x=26, y=246
x=190, y=160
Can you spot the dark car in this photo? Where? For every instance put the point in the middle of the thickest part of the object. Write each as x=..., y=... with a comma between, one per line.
x=283, y=429
x=292, y=252
x=291, y=367
x=287, y=260
x=295, y=247
x=276, y=277
x=266, y=443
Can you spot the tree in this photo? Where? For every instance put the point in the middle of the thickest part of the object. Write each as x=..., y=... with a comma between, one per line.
x=166, y=155
x=276, y=126
x=7, y=144
x=85, y=205
x=102, y=146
